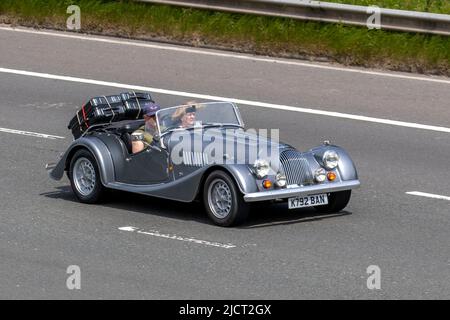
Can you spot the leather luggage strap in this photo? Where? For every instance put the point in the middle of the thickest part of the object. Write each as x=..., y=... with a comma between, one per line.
x=84, y=116
x=114, y=114
x=139, y=105
x=79, y=122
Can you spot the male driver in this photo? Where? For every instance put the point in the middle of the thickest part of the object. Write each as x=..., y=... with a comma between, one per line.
x=143, y=137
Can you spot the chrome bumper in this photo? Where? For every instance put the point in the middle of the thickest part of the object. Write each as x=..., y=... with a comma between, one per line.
x=301, y=191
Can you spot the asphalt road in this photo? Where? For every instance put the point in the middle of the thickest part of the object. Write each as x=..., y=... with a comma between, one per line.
x=278, y=253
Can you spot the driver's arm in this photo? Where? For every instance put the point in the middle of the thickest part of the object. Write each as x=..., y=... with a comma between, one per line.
x=140, y=141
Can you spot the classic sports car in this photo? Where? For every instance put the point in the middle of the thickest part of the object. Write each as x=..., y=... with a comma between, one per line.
x=214, y=160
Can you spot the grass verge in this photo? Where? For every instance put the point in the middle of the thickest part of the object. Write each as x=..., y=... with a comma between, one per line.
x=246, y=33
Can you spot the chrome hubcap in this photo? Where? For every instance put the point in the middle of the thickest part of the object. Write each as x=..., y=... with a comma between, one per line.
x=219, y=198
x=84, y=176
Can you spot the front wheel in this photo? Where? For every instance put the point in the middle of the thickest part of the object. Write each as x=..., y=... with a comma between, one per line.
x=337, y=201
x=223, y=201
x=85, y=177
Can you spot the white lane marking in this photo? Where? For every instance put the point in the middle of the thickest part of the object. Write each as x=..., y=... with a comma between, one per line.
x=227, y=55
x=131, y=229
x=33, y=134
x=238, y=101
x=428, y=195
x=179, y=238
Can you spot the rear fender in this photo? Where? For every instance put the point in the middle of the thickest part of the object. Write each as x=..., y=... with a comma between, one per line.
x=98, y=150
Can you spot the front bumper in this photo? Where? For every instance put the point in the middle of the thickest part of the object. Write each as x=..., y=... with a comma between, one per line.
x=301, y=191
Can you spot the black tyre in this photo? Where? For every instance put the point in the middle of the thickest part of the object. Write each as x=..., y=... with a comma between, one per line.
x=337, y=201
x=84, y=177
x=223, y=200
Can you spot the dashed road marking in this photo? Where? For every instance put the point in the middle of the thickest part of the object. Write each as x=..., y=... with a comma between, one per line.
x=155, y=233
x=33, y=134
x=428, y=195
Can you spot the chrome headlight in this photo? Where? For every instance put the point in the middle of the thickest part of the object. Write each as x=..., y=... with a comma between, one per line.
x=281, y=180
x=261, y=167
x=330, y=159
x=320, y=175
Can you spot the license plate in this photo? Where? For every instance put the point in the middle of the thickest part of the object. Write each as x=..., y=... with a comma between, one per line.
x=308, y=201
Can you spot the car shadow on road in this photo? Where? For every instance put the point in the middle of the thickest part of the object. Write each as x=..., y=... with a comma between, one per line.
x=140, y=204
x=261, y=216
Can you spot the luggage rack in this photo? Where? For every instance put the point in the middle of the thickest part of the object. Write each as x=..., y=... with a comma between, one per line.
x=120, y=126
x=102, y=111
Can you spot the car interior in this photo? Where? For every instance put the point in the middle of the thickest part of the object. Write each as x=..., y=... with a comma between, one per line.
x=124, y=129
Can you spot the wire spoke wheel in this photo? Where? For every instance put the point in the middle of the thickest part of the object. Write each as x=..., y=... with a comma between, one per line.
x=84, y=176
x=223, y=200
x=220, y=200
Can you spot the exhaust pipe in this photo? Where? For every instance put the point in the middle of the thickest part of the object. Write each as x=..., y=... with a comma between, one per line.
x=50, y=166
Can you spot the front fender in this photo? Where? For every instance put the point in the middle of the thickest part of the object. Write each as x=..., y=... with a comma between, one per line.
x=244, y=178
x=98, y=150
x=346, y=167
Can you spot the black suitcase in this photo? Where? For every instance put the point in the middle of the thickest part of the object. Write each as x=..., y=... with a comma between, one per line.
x=97, y=110
x=103, y=109
x=107, y=109
x=134, y=102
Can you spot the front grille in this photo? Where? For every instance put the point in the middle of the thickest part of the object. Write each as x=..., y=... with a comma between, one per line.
x=296, y=168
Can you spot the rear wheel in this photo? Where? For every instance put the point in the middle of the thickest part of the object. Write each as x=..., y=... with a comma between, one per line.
x=337, y=201
x=85, y=177
x=223, y=201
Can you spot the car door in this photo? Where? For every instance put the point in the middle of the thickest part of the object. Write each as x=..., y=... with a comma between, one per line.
x=147, y=167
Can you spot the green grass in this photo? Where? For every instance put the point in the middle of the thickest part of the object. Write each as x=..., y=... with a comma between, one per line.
x=435, y=6
x=261, y=35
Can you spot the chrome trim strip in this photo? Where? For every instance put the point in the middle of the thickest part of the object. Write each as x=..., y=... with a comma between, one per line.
x=301, y=191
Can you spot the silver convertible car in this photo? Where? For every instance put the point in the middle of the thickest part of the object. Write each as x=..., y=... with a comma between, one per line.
x=214, y=160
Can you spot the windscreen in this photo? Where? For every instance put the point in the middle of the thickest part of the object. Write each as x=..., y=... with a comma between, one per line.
x=198, y=115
